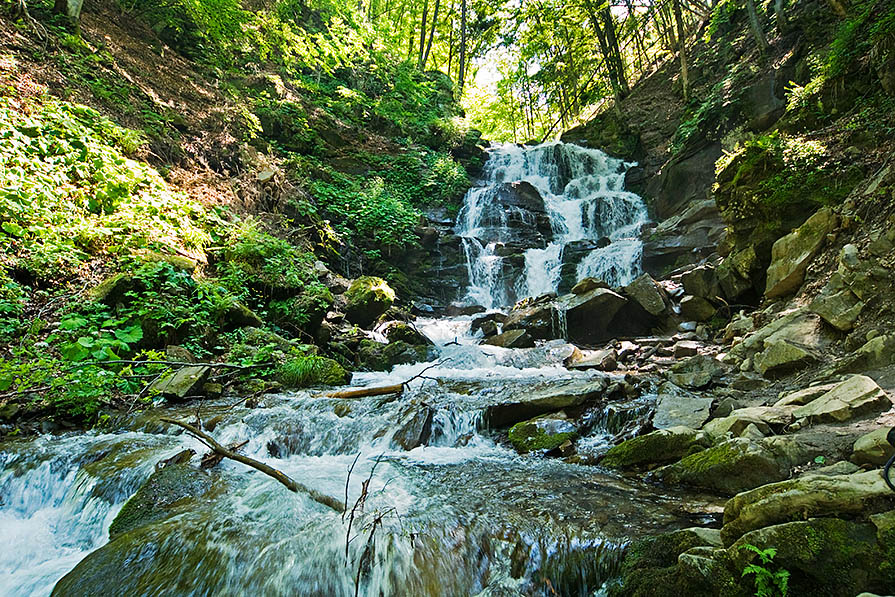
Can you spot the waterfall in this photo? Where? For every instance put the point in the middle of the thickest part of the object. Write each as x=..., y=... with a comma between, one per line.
x=544, y=216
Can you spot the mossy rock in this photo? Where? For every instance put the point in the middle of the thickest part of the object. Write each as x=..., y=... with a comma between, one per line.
x=368, y=297
x=665, y=445
x=112, y=290
x=168, y=491
x=306, y=371
x=541, y=434
x=376, y=356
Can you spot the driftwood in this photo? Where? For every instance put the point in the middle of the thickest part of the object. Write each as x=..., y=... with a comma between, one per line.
x=283, y=478
x=382, y=390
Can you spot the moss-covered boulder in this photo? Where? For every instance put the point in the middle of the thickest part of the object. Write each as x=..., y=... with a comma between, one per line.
x=738, y=464
x=791, y=254
x=376, y=356
x=306, y=371
x=368, y=297
x=543, y=433
x=399, y=331
x=664, y=445
x=168, y=491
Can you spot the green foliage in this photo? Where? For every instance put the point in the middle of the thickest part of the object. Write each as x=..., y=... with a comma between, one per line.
x=722, y=14
x=768, y=582
x=304, y=371
x=68, y=192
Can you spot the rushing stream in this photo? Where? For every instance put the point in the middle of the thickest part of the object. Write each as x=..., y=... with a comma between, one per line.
x=450, y=509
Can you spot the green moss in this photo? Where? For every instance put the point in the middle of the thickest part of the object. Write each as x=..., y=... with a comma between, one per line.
x=307, y=371
x=529, y=437
x=659, y=446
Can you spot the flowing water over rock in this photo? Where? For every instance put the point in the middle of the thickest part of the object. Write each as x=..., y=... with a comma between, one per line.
x=545, y=216
x=450, y=510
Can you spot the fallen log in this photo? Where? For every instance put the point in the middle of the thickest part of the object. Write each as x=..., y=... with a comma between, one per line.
x=280, y=476
x=364, y=392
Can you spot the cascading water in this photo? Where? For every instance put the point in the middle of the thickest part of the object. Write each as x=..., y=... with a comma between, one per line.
x=534, y=206
x=451, y=512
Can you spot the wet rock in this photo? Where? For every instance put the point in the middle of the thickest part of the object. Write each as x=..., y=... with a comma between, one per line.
x=489, y=328
x=676, y=407
x=696, y=308
x=376, y=356
x=541, y=321
x=177, y=385
x=511, y=339
x=399, y=331
x=791, y=254
x=604, y=360
x=491, y=318
x=368, y=297
x=645, y=292
x=702, y=282
x=556, y=397
x=588, y=315
x=738, y=464
x=696, y=372
x=873, y=448
x=857, y=396
x=415, y=427
x=168, y=491
x=585, y=285
x=543, y=433
x=808, y=496
x=664, y=445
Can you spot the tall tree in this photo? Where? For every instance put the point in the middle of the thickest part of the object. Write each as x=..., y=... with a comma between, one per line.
x=461, y=75
x=682, y=50
x=425, y=56
x=755, y=25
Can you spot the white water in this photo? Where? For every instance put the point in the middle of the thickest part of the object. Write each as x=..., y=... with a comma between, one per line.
x=462, y=504
x=584, y=199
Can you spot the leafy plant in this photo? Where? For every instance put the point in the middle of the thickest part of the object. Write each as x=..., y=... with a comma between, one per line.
x=768, y=582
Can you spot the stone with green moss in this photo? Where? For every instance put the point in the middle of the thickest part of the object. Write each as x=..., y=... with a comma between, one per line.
x=376, y=356
x=541, y=434
x=168, y=491
x=306, y=371
x=664, y=445
x=368, y=297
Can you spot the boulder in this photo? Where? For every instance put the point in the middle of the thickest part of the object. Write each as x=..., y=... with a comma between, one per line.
x=858, y=395
x=685, y=348
x=376, y=356
x=739, y=326
x=604, y=360
x=511, y=339
x=645, y=292
x=587, y=284
x=168, y=491
x=489, y=328
x=494, y=318
x=808, y=496
x=540, y=320
x=555, y=397
x=783, y=356
x=701, y=281
x=664, y=445
x=877, y=353
x=415, y=427
x=112, y=290
x=873, y=448
x=804, y=396
x=839, y=308
x=368, y=297
x=791, y=254
x=756, y=421
x=738, y=464
x=676, y=407
x=399, y=331
x=186, y=381
x=543, y=433
x=695, y=372
x=588, y=315
x=695, y=308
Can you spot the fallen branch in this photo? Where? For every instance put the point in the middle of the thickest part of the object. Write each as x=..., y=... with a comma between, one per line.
x=383, y=390
x=283, y=478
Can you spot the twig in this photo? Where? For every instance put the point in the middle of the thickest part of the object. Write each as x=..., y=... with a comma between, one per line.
x=347, y=481
x=25, y=391
x=283, y=478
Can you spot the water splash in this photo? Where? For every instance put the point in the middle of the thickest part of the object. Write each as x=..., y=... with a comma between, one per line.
x=583, y=199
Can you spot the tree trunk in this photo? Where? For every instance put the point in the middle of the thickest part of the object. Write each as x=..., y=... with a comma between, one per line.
x=681, y=40
x=782, y=22
x=755, y=25
x=462, y=67
x=431, y=36
x=612, y=41
x=70, y=9
x=419, y=61
x=608, y=60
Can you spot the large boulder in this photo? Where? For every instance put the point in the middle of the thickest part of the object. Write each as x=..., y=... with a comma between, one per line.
x=415, y=427
x=540, y=320
x=859, y=395
x=811, y=495
x=542, y=433
x=783, y=356
x=588, y=315
x=548, y=399
x=181, y=383
x=604, y=360
x=645, y=292
x=511, y=339
x=664, y=445
x=738, y=464
x=376, y=356
x=368, y=297
x=837, y=305
x=696, y=308
x=676, y=407
x=874, y=448
x=791, y=254
x=701, y=281
x=696, y=372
